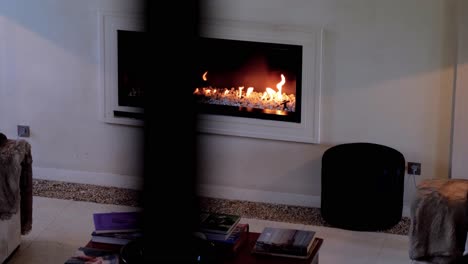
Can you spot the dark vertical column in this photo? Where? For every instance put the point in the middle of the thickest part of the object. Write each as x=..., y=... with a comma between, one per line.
x=170, y=202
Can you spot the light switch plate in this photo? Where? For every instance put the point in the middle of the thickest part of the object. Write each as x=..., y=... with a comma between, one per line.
x=414, y=168
x=23, y=131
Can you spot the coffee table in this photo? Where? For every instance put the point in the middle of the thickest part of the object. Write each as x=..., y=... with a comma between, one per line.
x=244, y=255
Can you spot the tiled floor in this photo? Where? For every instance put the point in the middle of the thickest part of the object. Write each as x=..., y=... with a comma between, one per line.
x=61, y=226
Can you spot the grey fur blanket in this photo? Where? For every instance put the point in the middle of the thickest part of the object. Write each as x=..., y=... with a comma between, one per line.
x=16, y=182
x=439, y=220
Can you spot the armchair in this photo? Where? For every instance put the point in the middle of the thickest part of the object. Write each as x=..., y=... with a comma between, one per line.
x=15, y=194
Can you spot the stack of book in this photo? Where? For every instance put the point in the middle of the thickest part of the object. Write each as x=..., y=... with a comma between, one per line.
x=117, y=227
x=286, y=242
x=224, y=230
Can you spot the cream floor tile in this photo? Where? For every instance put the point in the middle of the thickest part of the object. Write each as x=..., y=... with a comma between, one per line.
x=395, y=250
x=61, y=226
x=268, y=223
x=49, y=209
x=350, y=247
x=254, y=224
x=74, y=224
x=50, y=252
x=320, y=231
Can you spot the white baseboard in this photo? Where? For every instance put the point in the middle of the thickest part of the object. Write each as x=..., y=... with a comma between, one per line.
x=406, y=209
x=232, y=193
x=87, y=177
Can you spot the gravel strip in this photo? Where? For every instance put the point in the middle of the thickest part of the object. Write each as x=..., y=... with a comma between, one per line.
x=283, y=213
x=129, y=197
x=86, y=193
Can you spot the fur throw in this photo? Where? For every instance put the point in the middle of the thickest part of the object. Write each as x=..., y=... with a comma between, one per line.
x=439, y=221
x=16, y=182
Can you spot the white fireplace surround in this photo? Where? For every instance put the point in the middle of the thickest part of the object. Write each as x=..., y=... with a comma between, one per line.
x=311, y=39
x=308, y=130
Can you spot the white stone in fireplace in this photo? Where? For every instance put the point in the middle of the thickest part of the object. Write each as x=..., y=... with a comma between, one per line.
x=308, y=130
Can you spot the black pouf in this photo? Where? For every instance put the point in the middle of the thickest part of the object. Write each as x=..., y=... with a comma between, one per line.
x=362, y=186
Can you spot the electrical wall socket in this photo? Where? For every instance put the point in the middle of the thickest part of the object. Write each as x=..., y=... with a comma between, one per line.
x=23, y=131
x=414, y=168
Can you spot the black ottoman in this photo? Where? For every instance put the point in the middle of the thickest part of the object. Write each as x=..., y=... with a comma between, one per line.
x=362, y=186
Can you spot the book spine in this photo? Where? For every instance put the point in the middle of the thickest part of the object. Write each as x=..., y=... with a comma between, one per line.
x=106, y=240
x=243, y=237
x=111, y=231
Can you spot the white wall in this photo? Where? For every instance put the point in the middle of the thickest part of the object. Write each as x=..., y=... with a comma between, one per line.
x=388, y=79
x=460, y=127
x=49, y=80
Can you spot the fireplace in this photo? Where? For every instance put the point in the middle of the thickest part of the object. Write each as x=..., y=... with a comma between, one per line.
x=259, y=80
x=249, y=79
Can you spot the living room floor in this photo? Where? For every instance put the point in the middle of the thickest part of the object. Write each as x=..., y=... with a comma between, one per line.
x=61, y=226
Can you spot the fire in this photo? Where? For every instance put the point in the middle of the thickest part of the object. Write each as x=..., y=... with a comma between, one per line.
x=240, y=91
x=270, y=92
x=280, y=86
x=269, y=99
x=249, y=91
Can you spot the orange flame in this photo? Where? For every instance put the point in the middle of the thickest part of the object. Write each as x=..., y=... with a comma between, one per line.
x=269, y=97
x=249, y=91
x=280, y=86
x=240, y=91
x=270, y=92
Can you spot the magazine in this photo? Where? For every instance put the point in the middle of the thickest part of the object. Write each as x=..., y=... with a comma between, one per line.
x=117, y=222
